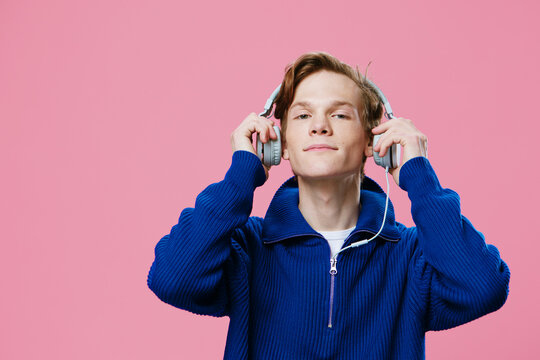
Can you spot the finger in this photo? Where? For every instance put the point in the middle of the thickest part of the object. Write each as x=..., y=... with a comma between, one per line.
x=273, y=134
x=382, y=149
x=397, y=122
x=379, y=129
x=387, y=142
x=265, y=132
x=272, y=131
x=260, y=125
x=386, y=134
x=262, y=130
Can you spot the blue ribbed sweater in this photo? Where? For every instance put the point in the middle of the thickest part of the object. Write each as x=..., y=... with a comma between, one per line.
x=271, y=276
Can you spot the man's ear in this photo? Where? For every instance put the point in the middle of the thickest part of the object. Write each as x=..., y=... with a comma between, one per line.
x=284, y=150
x=368, y=150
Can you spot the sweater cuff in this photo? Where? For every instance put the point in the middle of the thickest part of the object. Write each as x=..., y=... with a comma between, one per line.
x=417, y=177
x=246, y=170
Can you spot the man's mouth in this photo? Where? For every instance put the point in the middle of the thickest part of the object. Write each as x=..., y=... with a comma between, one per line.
x=320, y=147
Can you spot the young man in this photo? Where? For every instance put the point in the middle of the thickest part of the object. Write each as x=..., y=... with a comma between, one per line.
x=274, y=277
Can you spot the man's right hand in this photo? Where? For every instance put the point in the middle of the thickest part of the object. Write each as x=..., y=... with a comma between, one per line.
x=242, y=137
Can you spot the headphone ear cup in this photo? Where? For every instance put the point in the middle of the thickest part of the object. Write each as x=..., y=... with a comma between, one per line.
x=276, y=147
x=260, y=148
x=396, y=159
x=378, y=160
x=267, y=160
x=392, y=157
x=270, y=153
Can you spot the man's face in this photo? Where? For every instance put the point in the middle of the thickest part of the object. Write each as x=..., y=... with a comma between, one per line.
x=324, y=137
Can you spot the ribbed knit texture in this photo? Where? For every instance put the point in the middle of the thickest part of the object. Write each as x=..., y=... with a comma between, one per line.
x=271, y=276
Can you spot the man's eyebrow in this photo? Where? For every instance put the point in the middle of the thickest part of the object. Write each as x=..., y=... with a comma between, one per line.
x=333, y=103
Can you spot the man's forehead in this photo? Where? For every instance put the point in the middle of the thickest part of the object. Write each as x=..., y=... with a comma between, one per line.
x=327, y=88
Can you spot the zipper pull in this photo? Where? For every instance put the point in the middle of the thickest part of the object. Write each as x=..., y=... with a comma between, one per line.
x=333, y=266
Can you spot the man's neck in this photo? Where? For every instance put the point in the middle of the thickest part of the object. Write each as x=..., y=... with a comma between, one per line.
x=330, y=204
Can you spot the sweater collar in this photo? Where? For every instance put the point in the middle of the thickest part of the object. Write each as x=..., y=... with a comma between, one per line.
x=283, y=220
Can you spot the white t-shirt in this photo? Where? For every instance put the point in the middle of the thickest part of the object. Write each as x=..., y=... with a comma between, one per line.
x=336, y=238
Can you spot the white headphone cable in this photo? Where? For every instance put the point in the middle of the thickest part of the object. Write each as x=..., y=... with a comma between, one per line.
x=363, y=242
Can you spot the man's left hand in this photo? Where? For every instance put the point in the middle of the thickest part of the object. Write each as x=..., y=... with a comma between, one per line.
x=400, y=131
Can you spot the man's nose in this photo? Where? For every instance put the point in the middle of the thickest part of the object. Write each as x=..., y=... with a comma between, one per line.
x=320, y=125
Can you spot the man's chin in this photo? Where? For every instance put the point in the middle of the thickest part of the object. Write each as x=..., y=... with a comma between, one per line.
x=322, y=175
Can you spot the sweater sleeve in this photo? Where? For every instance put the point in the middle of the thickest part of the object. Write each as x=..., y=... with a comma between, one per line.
x=188, y=271
x=460, y=276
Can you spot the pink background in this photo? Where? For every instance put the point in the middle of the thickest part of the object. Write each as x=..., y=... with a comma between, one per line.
x=115, y=114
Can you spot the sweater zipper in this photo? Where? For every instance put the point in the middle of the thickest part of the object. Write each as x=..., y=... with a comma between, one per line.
x=333, y=268
x=333, y=272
